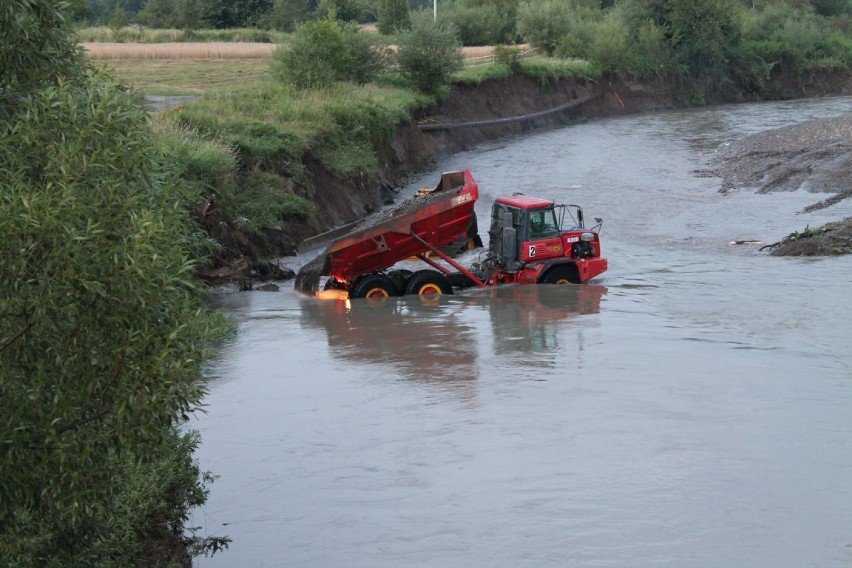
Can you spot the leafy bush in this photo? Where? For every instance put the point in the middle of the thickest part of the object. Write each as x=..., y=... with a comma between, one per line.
x=477, y=25
x=393, y=16
x=368, y=58
x=316, y=57
x=38, y=48
x=326, y=51
x=782, y=35
x=838, y=46
x=702, y=33
x=649, y=53
x=544, y=23
x=429, y=54
x=342, y=10
x=286, y=15
x=508, y=55
x=609, y=46
x=571, y=47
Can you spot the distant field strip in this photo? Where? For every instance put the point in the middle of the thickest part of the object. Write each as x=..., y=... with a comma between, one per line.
x=216, y=50
x=213, y=50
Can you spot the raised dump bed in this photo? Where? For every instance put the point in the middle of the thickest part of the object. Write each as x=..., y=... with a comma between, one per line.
x=439, y=217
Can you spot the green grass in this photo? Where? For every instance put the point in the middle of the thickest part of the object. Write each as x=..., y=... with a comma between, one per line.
x=538, y=67
x=273, y=125
x=191, y=76
x=477, y=74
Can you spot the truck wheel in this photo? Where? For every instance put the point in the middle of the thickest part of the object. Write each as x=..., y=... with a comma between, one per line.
x=373, y=286
x=334, y=284
x=428, y=283
x=561, y=275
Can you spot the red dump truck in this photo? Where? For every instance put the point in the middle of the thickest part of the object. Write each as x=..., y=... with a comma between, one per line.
x=532, y=241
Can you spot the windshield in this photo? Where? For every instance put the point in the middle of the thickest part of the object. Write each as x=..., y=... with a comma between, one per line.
x=543, y=224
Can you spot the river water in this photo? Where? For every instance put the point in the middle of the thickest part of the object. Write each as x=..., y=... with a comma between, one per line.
x=690, y=407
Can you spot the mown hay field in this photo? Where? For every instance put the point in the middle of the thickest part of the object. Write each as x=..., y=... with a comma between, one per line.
x=190, y=76
x=179, y=50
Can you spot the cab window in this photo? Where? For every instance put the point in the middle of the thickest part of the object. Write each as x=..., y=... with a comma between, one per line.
x=543, y=224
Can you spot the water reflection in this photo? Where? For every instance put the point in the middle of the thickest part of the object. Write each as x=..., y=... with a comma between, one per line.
x=440, y=340
x=528, y=319
x=422, y=340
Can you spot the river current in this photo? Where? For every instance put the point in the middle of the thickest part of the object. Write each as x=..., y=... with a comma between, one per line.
x=691, y=407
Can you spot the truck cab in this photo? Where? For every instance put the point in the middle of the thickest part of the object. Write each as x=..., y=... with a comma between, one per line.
x=534, y=240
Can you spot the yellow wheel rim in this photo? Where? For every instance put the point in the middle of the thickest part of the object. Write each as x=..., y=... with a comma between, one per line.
x=376, y=293
x=429, y=290
x=562, y=281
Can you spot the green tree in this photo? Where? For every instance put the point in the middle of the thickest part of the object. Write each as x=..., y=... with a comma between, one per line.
x=701, y=34
x=544, y=23
x=101, y=333
x=326, y=51
x=315, y=58
x=393, y=16
x=159, y=14
x=39, y=48
x=287, y=14
x=429, y=54
x=236, y=13
x=477, y=25
x=190, y=14
x=343, y=10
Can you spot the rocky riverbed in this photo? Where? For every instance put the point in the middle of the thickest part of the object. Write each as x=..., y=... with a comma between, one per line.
x=816, y=156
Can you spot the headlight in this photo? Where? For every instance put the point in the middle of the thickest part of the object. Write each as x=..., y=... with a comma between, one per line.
x=587, y=237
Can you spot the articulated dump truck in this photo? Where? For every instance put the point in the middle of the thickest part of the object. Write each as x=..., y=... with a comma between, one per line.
x=532, y=241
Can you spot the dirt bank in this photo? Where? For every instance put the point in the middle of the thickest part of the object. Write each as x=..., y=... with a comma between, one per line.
x=816, y=156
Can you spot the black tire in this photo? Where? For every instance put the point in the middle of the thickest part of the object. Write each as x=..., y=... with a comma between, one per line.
x=400, y=279
x=428, y=283
x=561, y=275
x=373, y=286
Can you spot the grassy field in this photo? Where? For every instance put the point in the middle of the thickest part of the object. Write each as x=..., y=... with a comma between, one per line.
x=172, y=50
x=197, y=68
x=190, y=76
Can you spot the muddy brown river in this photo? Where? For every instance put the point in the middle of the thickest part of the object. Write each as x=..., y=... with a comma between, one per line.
x=692, y=407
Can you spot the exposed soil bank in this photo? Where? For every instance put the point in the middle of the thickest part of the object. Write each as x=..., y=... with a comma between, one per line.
x=815, y=155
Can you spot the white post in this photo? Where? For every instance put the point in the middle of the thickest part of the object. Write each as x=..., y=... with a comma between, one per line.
x=435, y=10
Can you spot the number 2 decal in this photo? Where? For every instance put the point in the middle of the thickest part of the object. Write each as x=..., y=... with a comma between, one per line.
x=532, y=251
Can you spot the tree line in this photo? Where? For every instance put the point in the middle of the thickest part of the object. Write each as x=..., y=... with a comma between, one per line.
x=494, y=21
